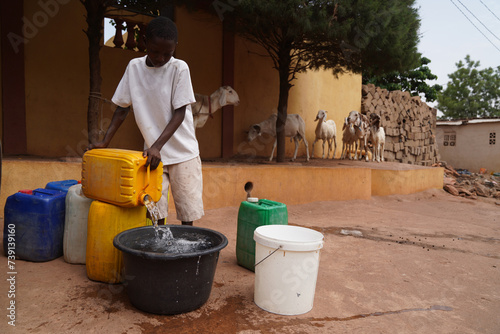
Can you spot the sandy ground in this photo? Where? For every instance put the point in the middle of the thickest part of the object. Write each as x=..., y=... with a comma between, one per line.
x=425, y=263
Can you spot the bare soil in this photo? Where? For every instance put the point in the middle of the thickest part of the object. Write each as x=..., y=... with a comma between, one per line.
x=421, y=263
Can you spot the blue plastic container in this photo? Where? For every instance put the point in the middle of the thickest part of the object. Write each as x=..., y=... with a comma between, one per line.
x=34, y=224
x=61, y=185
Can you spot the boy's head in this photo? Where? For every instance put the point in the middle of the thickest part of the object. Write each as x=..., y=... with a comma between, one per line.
x=161, y=40
x=162, y=27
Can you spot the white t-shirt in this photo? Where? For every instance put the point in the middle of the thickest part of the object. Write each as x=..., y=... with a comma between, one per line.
x=154, y=93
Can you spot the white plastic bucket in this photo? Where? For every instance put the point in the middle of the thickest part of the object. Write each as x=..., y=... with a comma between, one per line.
x=286, y=270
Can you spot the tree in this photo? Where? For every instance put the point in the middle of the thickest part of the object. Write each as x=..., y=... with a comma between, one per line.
x=96, y=10
x=471, y=92
x=413, y=81
x=343, y=36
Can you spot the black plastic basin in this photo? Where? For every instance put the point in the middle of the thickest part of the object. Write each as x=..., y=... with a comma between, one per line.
x=169, y=283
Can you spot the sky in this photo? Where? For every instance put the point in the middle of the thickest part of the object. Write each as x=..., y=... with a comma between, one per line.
x=447, y=36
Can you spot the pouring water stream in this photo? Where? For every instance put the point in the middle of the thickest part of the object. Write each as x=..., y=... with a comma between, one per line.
x=164, y=240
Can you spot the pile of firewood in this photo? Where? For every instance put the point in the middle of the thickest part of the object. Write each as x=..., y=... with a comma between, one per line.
x=409, y=124
x=469, y=185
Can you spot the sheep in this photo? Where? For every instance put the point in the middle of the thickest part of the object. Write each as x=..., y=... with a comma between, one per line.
x=327, y=131
x=361, y=126
x=377, y=137
x=205, y=106
x=295, y=127
x=348, y=133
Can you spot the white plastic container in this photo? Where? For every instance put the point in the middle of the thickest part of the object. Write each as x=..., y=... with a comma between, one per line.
x=286, y=269
x=75, y=225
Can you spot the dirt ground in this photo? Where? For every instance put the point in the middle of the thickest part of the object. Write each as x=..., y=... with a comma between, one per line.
x=424, y=263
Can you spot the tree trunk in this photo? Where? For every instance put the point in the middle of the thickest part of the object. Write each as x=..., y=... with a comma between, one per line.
x=284, y=66
x=281, y=120
x=95, y=17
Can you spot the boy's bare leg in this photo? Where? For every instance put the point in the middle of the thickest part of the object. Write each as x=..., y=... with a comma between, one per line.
x=187, y=223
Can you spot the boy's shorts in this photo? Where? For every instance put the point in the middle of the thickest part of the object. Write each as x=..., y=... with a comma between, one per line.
x=186, y=182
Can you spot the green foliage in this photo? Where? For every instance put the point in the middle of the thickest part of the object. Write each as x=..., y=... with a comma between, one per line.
x=343, y=36
x=350, y=35
x=413, y=81
x=471, y=92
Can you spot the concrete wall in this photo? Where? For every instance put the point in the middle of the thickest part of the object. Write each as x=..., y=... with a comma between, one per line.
x=258, y=87
x=200, y=45
x=472, y=149
x=57, y=85
x=223, y=185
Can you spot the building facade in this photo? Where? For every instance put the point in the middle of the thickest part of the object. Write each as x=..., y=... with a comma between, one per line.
x=470, y=144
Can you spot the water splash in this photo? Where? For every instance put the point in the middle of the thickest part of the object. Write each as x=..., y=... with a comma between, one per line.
x=167, y=244
x=154, y=212
x=164, y=240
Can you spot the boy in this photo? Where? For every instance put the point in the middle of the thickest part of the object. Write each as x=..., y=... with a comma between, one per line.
x=160, y=90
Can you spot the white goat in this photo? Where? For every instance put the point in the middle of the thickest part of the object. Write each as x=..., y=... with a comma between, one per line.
x=327, y=131
x=377, y=137
x=360, y=123
x=295, y=127
x=205, y=106
x=348, y=133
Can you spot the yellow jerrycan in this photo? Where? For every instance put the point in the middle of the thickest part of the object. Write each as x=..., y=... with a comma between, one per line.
x=103, y=261
x=119, y=177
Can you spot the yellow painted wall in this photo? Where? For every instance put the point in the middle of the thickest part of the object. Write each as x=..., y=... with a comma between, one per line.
x=57, y=86
x=223, y=185
x=200, y=45
x=1, y=102
x=57, y=81
x=316, y=90
x=258, y=87
x=405, y=181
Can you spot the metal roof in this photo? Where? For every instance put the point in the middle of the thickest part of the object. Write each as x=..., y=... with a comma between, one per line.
x=468, y=121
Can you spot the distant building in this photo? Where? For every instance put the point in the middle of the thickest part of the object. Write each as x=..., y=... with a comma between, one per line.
x=470, y=144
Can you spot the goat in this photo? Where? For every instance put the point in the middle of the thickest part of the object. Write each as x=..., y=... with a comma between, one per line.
x=205, y=106
x=361, y=126
x=327, y=131
x=348, y=133
x=377, y=137
x=295, y=128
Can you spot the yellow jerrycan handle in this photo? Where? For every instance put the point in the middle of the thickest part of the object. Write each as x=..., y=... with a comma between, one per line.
x=143, y=196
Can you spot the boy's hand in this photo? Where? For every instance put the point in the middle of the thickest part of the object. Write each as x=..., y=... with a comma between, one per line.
x=99, y=144
x=154, y=157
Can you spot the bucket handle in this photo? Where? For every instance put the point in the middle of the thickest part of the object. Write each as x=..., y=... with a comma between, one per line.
x=44, y=191
x=274, y=251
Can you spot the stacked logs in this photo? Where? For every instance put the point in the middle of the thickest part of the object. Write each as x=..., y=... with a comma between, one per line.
x=409, y=124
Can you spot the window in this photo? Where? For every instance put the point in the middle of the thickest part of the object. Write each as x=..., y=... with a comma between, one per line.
x=450, y=138
x=492, y=138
